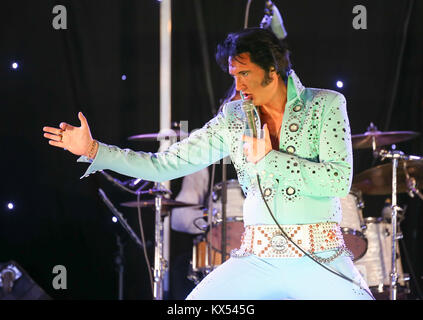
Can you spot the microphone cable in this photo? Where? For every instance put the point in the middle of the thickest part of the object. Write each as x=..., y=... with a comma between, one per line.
x=305, y=252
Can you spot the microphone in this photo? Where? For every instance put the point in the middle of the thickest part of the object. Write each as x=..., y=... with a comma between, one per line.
x=248, y=108
x=273, y=20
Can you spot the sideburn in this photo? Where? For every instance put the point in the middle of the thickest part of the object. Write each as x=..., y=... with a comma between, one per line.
x=267, y=79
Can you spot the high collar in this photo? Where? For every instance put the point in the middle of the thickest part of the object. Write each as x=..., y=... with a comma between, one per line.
x=294, y=86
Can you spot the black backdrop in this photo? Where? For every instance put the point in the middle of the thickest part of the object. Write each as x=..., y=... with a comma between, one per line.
x=60, y=220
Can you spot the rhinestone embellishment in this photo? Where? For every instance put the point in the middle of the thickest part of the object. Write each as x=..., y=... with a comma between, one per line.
x=290, y=149
x=297, y=108
x=290, y=191
x=293, y=127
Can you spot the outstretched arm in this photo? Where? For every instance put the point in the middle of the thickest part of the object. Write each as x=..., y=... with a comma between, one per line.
x=203, y=147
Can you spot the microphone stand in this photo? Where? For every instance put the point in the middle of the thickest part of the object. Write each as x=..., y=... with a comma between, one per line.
x=119, y=259
x=120, y=218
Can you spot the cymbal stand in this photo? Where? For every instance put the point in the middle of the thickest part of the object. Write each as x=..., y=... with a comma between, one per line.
x=395, y=155
x=160, y=263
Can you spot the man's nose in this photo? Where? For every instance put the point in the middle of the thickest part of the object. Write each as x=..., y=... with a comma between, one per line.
x=239, y=85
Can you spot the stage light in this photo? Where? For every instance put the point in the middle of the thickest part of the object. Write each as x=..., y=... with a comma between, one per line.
x=114, y=219
x=10, y=206
x=123, y=77
x=15, y=65
x=339, y=84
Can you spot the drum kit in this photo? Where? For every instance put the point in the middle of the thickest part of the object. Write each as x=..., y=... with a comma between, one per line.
x=372, y=240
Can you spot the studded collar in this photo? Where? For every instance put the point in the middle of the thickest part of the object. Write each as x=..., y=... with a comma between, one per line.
x=294, y=88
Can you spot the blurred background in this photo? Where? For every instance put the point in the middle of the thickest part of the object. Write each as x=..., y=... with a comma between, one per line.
x=106, y=64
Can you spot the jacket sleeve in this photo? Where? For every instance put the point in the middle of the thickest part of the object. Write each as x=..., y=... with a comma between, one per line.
x=202, y=148
x=331, y=174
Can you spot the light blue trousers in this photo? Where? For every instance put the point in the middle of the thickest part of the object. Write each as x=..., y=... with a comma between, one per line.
x=254, y=278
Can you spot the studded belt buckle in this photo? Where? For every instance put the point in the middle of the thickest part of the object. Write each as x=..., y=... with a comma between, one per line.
x=279, y=242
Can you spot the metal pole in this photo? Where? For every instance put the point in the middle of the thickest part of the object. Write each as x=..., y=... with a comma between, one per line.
x=394, y=275
x=158, y=252
x=165, y=105
x=120, y=266
x=224, y=202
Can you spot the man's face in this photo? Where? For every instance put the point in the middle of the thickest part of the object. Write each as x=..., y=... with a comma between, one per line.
x=250, y=78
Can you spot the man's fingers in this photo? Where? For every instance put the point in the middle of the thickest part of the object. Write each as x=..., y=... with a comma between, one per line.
x=52, y=130
x=247, y=138
x=54, y=137
x=56, y=143
x=83, y=120
x=64, y=125
x=266, y=132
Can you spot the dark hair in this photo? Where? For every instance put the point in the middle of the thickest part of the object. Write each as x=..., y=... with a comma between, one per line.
x=265, y=50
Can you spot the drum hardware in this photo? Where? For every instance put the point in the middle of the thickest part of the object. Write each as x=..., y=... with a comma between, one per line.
x=160, y=263
x=160, y=189
x=207, y=247
x=352, y=223
x=378, y=180
x=119, y=256
x=386, y=179
x=411, y=183
x=395, y=156
x=162, y=207
x=165, y=203
x=126, y=185
x=373, y=138
x=169, y=134
x=375, y=265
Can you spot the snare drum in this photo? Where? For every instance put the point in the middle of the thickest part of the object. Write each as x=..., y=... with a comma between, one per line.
x=352, y=224
x=201, y=260
x=375, y=265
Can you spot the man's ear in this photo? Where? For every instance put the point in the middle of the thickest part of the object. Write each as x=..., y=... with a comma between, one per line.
x=272, y=72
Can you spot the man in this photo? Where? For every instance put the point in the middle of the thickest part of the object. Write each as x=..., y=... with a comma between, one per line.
x=293, y=177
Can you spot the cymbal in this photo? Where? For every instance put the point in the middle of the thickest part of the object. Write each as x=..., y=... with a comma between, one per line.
x=378, y=180
x=363, y=141
x=168, y=203
x=162, y=135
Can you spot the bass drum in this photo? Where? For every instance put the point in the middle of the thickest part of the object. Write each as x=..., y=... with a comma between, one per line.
x=375, y=265
x=352, y=224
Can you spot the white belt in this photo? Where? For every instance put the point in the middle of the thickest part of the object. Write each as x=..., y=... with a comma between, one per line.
x=267, y=241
